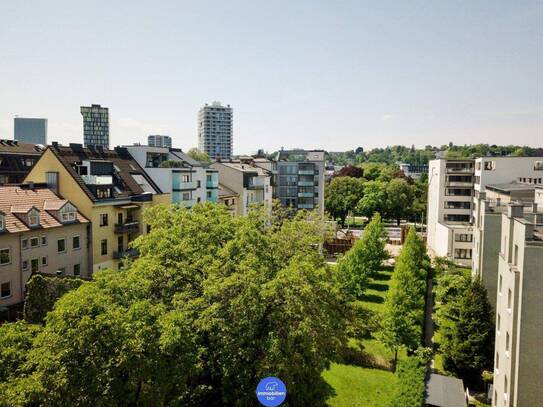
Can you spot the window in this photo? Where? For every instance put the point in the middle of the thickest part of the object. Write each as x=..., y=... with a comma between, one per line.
x=500, y=283
x=44, y=240
x=2, y=224
x=25, y=265
x=5, y=289
x=103, y=247
x=509, y=298
x=24, y=244
x=34, y=242
x=77, y=269
x=103, y=219
x=33, y=217
x=61, y=245
x=76, y=244
x=497, y=360
x=498, y=324
x=490, y=165
x=34, y=265
x=463, y=237
x=44, y=261
x=538, y=166
x=68, y=213
x=515, y=256
x=102, y=193
x=5, y=256
x=507, y=342
x=462, y=253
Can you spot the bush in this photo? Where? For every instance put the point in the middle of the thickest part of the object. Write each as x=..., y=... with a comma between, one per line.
x=411, y=373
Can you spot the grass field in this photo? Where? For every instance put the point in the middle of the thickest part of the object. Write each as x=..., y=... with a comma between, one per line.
x=358, y=386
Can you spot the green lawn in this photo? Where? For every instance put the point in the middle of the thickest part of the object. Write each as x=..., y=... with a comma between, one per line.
x=364, y=386
x=359, y=387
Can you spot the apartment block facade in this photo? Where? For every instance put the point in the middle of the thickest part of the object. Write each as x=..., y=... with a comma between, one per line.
x=450, y=194
x=157, y=140
x=215, y=131
x=30, y=130
x=187, y=181
x=299, y=179
x=109, y=188
x=39, y=233
x=519, y=321
x=95, y=126
x=250, y=183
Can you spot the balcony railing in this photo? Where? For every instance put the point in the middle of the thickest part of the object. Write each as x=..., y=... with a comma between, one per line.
x=305, y=206
x=212, y=184
x=306, y=172
x=127, y=227
x=305, y=194
x=306, y=183
x=255, y=183
x=459, y=184
x=185, y=185
x=130, y=253
x=97, y=179
x=460, y=170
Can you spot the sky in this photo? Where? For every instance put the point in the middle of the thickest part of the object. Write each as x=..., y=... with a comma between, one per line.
x=333, y=75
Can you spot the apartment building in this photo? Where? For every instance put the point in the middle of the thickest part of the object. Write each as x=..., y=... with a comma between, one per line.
x=250, y=183
x=39, y=232
x=157, y=140
x=229, y=198
x=519, y=321
x=450, y=190
x=187, y=181
x=299, y=179
x=215, y=131
x=16, y=160
x=95, y=126
x=30, y=130
x=109, y=188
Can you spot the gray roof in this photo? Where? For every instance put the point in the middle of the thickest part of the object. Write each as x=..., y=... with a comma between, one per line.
x=187, y=158
x=511, y=186
x=445, y=391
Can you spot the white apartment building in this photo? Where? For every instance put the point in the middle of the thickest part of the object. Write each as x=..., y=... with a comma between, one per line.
x=251, y=184
x=450, y=190
x=215, y=126
x=189, y=181
x=518, y=366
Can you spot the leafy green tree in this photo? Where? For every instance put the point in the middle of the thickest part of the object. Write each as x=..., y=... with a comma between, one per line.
x=364, y=259
x=410, y=390
x=199, y=155
x=341, y=196
x=468, y=348
x=403, y=317
x=399, y=199
x=373, y=200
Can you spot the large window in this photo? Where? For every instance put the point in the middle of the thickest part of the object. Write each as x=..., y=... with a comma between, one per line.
x=33, y=217
x=5, y=289
x=61, y=245
x=103, y=219
x=463, y=237
x=5, y=256
x=34, y=242
x=76, y=244
x=103, y=247
x=462, y=253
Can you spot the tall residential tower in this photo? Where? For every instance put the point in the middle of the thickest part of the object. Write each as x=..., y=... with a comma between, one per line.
x=215, y=130
x=95, y=126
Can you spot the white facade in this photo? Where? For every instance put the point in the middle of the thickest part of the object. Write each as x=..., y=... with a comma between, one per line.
x=251, y=183
x=450, y=190
x=187, y=180
x=215, y=127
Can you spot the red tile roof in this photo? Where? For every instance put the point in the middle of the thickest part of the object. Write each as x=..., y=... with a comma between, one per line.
x=14, y=199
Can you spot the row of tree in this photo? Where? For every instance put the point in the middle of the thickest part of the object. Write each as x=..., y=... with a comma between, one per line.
x=466, y=322
x=213, y=304
x=381, y=190
x=403, y=317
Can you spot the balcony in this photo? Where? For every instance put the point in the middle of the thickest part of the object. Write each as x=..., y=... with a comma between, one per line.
x=305, y=206
x=127, y=227
x=130, y=253
x=185, y=185
x=305, y=194
x=255, y=183
x=306, y=183
x=460, y=170
x=306, y=172
x=97, y=179
x=212, y=184
x=459, y=184
x=187, y=203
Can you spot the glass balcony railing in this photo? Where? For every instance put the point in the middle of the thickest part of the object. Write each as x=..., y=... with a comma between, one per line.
x=305, y=206
x=306, y=183
x=184, y=185
x=306, y=172
x=255, y=183
x=305, y=194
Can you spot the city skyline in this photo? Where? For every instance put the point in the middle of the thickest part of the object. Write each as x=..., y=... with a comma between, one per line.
x=330, y=76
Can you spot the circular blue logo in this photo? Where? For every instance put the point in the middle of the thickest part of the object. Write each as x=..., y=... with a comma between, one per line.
x=271, y=392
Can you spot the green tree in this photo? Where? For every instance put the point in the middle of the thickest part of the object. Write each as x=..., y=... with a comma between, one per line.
x=399, y=199
x=199, y=155
x=364, y=259
x=341, y=196
x=410, y=390
x=403, y=317
x=373, y=200
x=468, y=349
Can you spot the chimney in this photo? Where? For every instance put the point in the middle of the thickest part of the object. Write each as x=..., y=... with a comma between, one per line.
x=515, y=210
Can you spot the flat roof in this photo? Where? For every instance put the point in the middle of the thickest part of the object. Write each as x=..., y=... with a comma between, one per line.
x=445, y=391
x=511, y=186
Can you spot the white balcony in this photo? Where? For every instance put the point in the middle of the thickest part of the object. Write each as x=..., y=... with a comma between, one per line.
x=97, y=179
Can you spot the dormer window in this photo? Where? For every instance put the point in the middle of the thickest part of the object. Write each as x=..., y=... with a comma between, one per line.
x=68, y=213
x=33, y=217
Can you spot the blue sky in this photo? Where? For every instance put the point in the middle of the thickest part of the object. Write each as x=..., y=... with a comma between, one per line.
x=313, y=74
